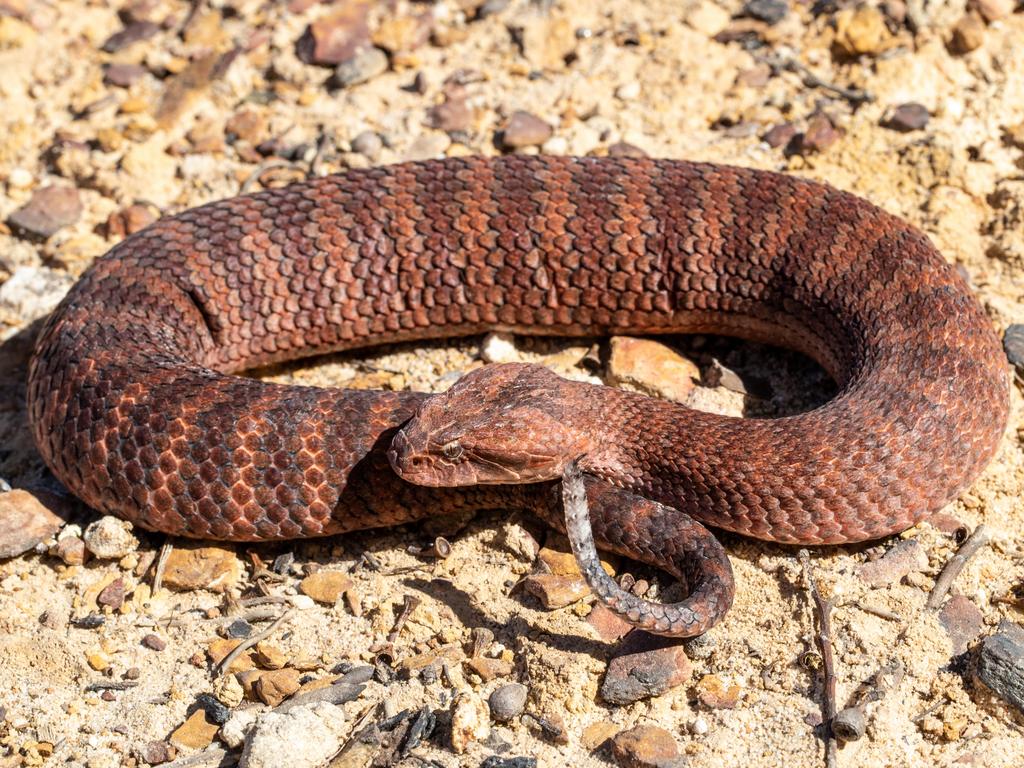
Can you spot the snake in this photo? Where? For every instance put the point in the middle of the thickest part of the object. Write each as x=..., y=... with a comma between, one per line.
x=136, y=403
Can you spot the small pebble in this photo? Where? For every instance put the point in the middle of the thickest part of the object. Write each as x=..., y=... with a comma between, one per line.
x=628, y=91
x=364, y=66
x=819, y=135
x=780, y=135
x=494, y=761
x=651, y=367
x=507, y=701
x=556, y=591
x=624, y=149
x=123, y=75
x=275, y=686
x=112, y=595
x=195, y=733
x=335, y=37
x=993, y=10
x=154, y=642
x=862, y=30
x=20, y=178
x=908, y=117
x=968, y=34
x=646, y=746
x=429, y=146
x=326, y=586
x=157, y=752
x=524, y=129
x=133, y=32
x=215, y=569
x=499, y=348
x=309, y=736
x=713, y=693
x=1001, y=663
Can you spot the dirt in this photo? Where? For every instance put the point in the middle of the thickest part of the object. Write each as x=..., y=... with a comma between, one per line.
x=600, y=74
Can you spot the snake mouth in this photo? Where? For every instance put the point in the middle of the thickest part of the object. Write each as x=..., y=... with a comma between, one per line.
x=432, y=467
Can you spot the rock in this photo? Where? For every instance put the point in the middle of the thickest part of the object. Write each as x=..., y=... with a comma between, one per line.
x=628, y=91
x=228, y=691
x=719, y=375
x=157, y=752
x=453, y=114
x=651, y=367
x=556, y=591
x=488, y=669
x=98, y=660
x=15, y=33
x=212, y=568
x=238, y=727
x=365, y=65
x=499, y=348
x=547, y=41
x=624, y=149
x=269, y=656
x=337, y=37
x=1013, y=345
x=110, y=538
x=491, y=8
x=968, y=34
x=992, y=10
x=708, y=18
x=309, y=736
x=277, y=685
x=903, y=558
x=646, y=746
x=70, y=549
x=134, y=32
x=48, y=211
x=130, y=220
x=470, y=722
x=780, y=135
x=32, y=292
x=908, y=117
x=524, y=129
x=819, y=135
x=862, y=30
x=195, y=733
x=123, y=76
x=769, y=11
x=428, y=146
x=1001, y=663
x=27, y=520
x=714, y=693
x=757, y=76
x=398, y=34
x=112, y=595
x=247, y=125
x=596, y=735
x=182, y=90
x=20, y=178
x=962, y=621
x=608, y=625
x=368, y=144
x=507, y=701
x=642, y=671
x=326, y=586
x=154, y=642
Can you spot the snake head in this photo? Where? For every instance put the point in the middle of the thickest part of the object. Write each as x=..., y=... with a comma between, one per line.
x=499, y=424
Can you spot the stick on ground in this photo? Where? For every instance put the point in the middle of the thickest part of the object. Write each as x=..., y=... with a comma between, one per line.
x=828, y=704
x=967, y=550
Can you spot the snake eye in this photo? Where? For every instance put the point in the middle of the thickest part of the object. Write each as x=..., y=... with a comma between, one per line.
x=452, y=450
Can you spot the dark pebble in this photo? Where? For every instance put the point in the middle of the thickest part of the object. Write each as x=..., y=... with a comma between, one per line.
x=239, y=629
x=908, y=117
x=132, y=673
x=1001, y=663
x=49, y=210
x=154, y=642
x=524, y=129
x=215, y=711
x=494, y=761
x=133, y=33
x=820, y=134
x=491, y=7
x=108, y=696
x=1013, y=345
x=507, y=701
x=768, y=11
x=123, y=75
x=624, y=149
x=92, y=621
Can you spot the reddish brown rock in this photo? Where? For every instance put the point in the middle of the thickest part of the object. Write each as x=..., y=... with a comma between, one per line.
x=453, y=114
x=646, y=746
x=337, y=37
x=123, y=75
x=524, y=129
x=195, y=733
x=27, y=519
x=128, y=221
x=968, y=34
x=780, y=135
x=903, y=558
x=608, y=625
x=213, y=568
x=651, y=367
x=134, y=32
x=556, y=591
x=819, y=135
x=908, y=117
x=715, y=694
x=962, y=621
x=112, y=595
x=646, y=667
x=50, y=210
x=277, y=685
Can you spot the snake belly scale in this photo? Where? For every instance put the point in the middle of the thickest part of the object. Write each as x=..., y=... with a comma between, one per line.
x=135, y=408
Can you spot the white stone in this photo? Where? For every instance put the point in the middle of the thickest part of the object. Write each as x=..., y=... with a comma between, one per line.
x=234, y=732
x=19, y=178
x=32, y=292
x=499, y=348
x=556, y=145
x=308, y=736
x=110, y=538
x=628, y=91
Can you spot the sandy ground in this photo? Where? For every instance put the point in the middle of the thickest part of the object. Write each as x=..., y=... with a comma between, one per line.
x=649, y=74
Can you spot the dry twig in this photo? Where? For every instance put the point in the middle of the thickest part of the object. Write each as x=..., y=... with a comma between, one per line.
x=249, y=642
x=828, y=704
x=952, y=569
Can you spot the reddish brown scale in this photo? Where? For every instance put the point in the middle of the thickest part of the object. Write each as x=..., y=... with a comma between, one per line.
x=134, y=408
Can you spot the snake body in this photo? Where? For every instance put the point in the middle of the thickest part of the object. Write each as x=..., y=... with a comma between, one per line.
x=135, y=408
